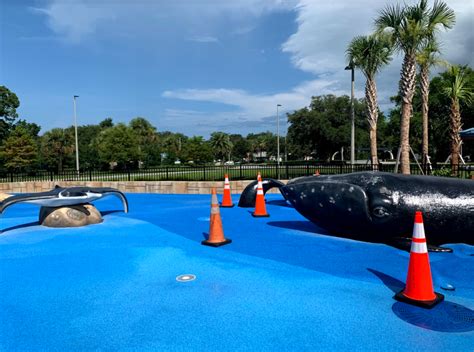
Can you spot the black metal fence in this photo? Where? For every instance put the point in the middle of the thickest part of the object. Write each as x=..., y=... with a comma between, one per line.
x=215, y=173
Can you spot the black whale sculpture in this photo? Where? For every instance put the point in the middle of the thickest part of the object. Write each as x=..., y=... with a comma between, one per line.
x=380, y=207
x=60, y=196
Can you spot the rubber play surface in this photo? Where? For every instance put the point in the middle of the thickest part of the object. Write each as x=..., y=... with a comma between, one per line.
x=281, y=285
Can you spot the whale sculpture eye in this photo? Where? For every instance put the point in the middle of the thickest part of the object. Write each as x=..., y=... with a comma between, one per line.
x=380, y=212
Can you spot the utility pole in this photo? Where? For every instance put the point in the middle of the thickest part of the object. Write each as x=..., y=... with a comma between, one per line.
x=75, y=132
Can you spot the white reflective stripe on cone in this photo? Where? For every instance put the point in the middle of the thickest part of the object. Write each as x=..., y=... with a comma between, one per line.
x=419, y=247
x=226, y=187
x=260, y=192
x=418, y=231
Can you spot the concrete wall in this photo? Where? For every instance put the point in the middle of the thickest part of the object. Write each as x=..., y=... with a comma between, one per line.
x=169, y=187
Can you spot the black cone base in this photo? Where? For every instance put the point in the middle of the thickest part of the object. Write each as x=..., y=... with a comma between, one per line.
x=260, y=216
x=423, y=304
x=216, y=244
x=227, y=206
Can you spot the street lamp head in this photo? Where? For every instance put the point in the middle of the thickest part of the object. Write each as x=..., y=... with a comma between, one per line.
x=278, y=104
x=76, y=96
x=350, y=66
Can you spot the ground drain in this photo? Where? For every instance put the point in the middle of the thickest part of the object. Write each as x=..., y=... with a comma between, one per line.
x=185, y=277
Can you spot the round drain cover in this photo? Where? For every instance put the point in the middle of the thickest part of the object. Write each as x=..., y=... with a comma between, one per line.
x=185, y=277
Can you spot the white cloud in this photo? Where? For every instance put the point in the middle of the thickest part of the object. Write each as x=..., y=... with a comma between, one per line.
x=74, y=20
x=318, y=47
x=77, y=20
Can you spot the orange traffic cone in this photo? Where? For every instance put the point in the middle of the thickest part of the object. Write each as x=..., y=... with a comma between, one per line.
x=216, y=233
x=419, y=287
x=226, y=198
x=260, y=209
x=316, y=173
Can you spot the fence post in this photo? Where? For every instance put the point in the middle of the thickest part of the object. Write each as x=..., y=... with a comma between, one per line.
x=286, y=170
x=204, y=172
x=90, y=175
x=51, y=177
x=166, y=173
x=240, y=172
x=307, y=169
x=128, y=172
x=11, y=176
x=340, y=169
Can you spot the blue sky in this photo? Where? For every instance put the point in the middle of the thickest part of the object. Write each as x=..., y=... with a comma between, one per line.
x=189, y=66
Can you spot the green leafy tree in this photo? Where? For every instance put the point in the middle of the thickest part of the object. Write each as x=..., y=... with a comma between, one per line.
x=57, y=147
x=86, y=137
x=324, y=127
x=32, y=128
x=19, y=151
x=147, y=139
x=456, y=88
x=197, y=150
x=241, y=149
x=9, y=102
x=369, y=54
x=118, y=146
x=106, y=123
x=221, y=145
x=409, y=28
x=171, y=145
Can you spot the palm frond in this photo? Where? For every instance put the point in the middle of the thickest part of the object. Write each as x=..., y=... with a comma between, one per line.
x=441, y=14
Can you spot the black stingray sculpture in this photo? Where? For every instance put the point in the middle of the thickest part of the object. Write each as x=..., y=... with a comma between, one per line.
x=61, y=197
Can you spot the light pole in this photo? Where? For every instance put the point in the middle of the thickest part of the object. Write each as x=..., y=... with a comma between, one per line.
x=351, y=67
x=278, y=143
x=75, y=132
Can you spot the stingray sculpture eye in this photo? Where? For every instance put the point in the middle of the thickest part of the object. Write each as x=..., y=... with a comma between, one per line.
x=380, y=212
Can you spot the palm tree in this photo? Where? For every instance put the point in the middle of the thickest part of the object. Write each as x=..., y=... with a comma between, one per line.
x=456, y=89
x=369, y=54
x=426, y=58
x=221, y=144
x=409, y=28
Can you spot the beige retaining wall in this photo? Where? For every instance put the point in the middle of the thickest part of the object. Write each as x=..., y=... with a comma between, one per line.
x=168, y=187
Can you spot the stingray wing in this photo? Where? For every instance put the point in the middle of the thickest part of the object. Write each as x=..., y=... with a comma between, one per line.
x=28, y=197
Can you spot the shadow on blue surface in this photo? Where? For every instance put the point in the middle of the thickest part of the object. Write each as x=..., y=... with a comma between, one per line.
x=30, y=224
x=393, y=284
x=445, y=317
x=306, y=226
x=107, y=212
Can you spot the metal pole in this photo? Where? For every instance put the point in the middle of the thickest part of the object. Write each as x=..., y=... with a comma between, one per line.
x=278, y=143
x=75, y=132
x=351, y=67
x=352, y=118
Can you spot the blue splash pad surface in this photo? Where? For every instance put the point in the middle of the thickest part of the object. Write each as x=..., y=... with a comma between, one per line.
x=281, y=285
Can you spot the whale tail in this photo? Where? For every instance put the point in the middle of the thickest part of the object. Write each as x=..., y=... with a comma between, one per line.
x=248, y=196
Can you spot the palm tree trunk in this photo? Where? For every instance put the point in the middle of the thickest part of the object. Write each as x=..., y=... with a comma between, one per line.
x=455, y=128
x=407, y=89
x=425, y=91
x=372, y=117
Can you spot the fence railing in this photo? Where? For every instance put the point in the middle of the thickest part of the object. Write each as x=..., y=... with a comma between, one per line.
x=215, y=173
